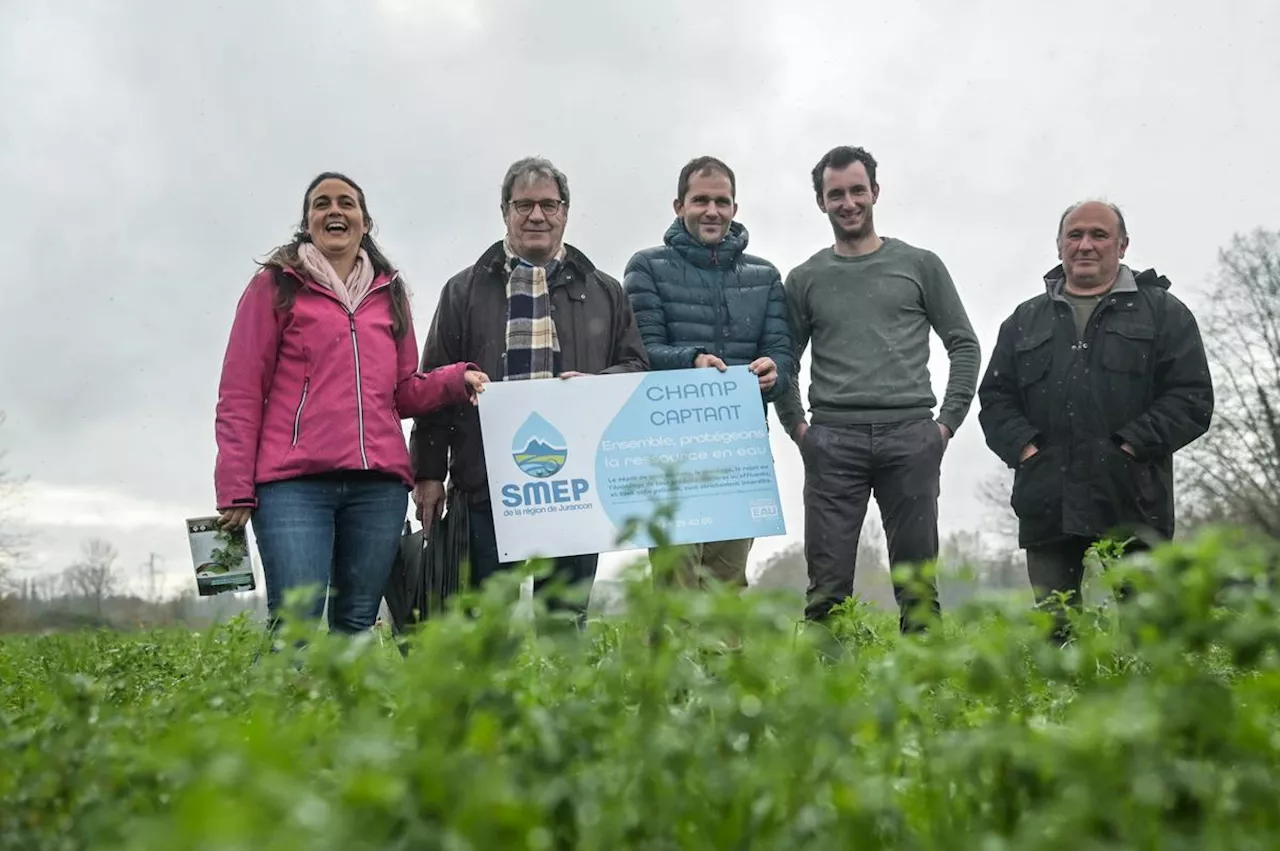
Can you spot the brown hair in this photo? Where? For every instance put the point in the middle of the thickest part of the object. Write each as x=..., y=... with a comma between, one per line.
x=703, y=165
x=286, y=257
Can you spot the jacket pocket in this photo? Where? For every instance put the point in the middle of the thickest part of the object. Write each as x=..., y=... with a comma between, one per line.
x=1126, y=347
x=1033, y=356
x=297, y=417
x=1125, y=490
x=1037, y=488
x=1126, y=360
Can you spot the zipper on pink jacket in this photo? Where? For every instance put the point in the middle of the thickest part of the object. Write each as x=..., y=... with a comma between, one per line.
x=297, y=418
x=355, y=351
x=355, y=348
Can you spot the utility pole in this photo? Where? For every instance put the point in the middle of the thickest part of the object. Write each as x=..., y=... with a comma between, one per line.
x=151, y=569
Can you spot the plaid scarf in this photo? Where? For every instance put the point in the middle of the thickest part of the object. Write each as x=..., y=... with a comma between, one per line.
x=533, y=347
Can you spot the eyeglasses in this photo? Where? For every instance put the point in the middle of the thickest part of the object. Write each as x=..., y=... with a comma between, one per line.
x=549, y=206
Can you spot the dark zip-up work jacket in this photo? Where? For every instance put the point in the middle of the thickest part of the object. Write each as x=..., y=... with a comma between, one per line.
x=1137, y=376
x=595, y=326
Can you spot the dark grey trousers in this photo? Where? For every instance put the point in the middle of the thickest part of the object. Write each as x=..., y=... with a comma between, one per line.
x=843, y=467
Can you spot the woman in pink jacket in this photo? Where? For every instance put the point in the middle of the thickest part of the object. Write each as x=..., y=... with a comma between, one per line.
x=320, y=369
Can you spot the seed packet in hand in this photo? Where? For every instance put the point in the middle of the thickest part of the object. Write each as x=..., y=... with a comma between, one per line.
x=220, y=556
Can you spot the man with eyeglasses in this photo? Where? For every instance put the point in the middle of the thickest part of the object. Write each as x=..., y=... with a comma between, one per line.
x=531, y=307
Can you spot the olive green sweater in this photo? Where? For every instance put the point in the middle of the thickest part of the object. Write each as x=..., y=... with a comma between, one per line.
x=868, y=319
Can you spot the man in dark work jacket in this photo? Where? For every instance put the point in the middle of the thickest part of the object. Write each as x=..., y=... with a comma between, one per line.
x=592, y=319
x=1092, y=387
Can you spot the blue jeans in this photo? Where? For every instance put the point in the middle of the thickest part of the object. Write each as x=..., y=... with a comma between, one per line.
x=336, y=534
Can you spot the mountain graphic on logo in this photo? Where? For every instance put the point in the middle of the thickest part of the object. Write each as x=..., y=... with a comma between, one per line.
x=538, y=449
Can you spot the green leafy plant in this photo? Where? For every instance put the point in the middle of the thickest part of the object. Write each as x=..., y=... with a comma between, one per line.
x=652, y=731
x=232, y=549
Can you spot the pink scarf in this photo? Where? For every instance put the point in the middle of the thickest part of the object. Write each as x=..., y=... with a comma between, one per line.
x=351, y=291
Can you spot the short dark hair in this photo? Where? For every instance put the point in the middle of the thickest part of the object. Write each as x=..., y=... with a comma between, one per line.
x=842, y=156
x=704, y=165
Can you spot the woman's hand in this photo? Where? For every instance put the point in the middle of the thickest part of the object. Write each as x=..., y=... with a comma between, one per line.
x=235, y=518
x=476, y=381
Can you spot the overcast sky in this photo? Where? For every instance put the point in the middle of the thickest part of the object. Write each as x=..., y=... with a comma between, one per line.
x=150, y=151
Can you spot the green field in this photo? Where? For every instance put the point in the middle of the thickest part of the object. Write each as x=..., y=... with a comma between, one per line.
x=1158, y=728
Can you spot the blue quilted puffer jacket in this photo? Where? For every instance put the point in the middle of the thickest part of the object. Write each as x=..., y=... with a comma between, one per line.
x=691, y=298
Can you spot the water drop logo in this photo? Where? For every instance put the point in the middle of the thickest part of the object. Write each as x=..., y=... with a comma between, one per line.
x=538, y=449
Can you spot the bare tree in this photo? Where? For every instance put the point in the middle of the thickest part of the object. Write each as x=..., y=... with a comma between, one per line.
x=94, y=577
x=1235, y=470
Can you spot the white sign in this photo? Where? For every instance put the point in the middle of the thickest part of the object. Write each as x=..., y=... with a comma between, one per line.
x=575, y=463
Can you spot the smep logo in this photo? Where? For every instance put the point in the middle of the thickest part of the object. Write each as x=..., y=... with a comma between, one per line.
x=540, y=451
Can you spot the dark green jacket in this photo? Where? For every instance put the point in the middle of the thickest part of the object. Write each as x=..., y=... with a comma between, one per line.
x=690, y=299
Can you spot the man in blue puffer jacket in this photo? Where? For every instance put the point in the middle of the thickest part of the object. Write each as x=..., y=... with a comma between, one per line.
x=701, y=301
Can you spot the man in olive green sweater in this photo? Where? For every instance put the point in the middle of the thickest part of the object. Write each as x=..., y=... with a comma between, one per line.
x=868, y=304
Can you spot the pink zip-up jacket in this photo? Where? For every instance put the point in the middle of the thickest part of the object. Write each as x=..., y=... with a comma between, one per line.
x=317, y=389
